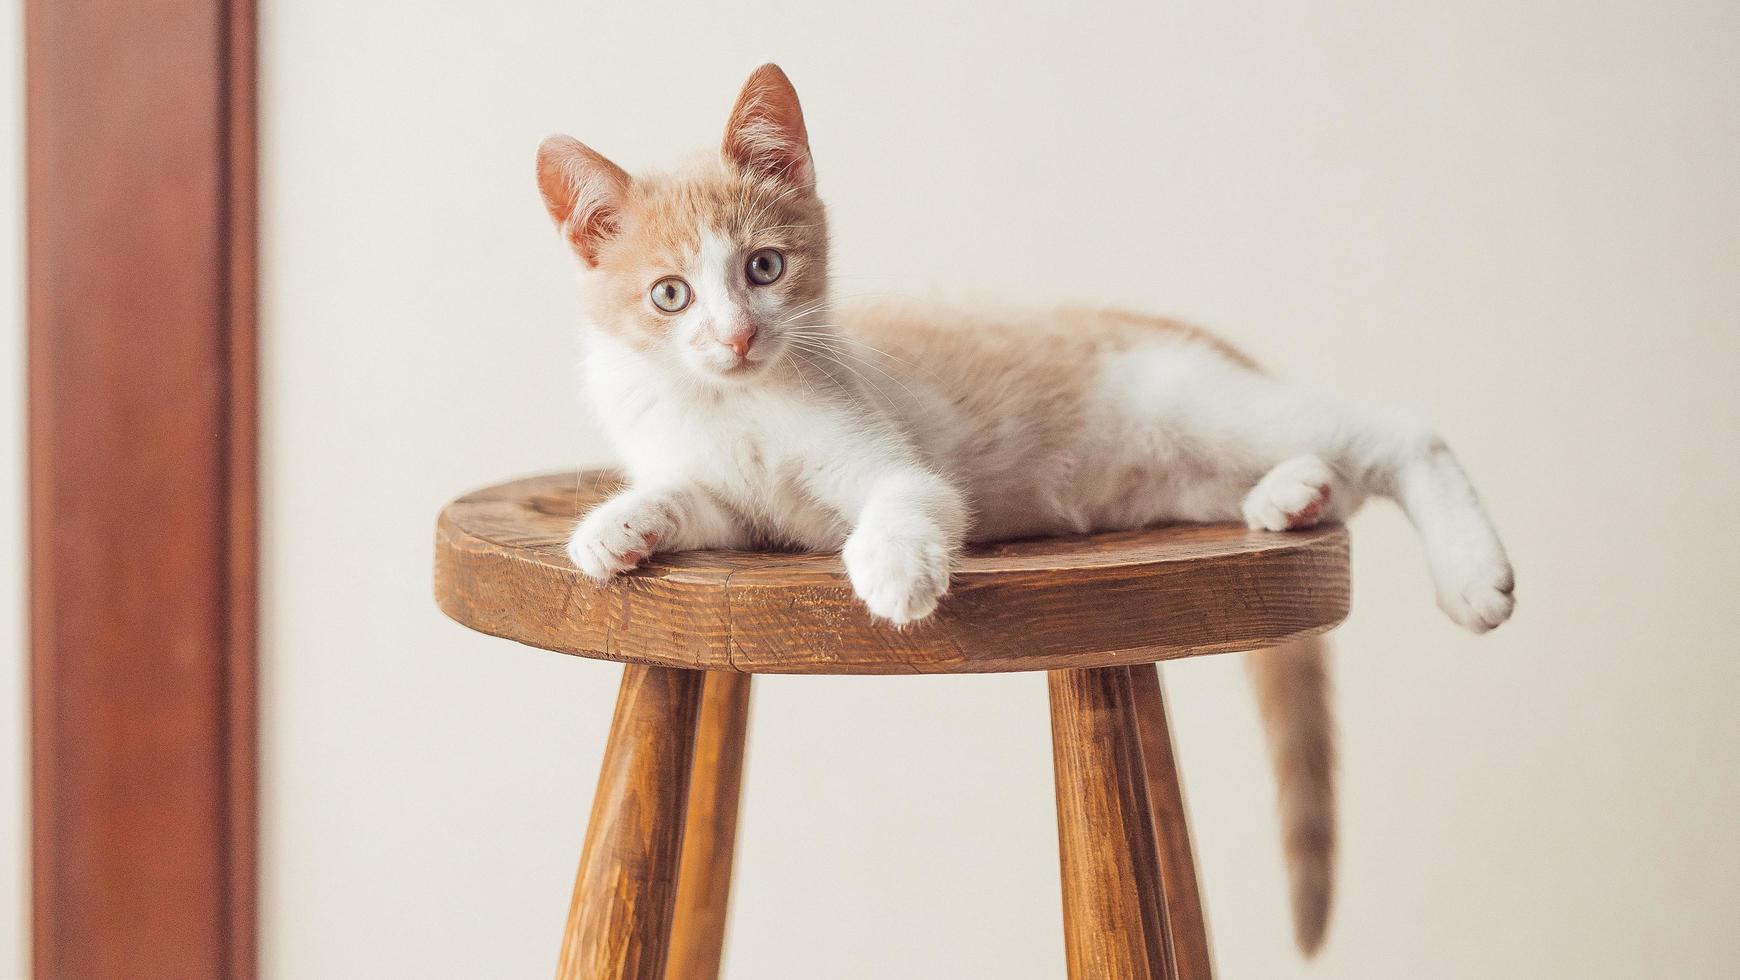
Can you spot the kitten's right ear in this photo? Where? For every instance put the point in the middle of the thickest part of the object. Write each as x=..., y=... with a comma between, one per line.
x=583, y=191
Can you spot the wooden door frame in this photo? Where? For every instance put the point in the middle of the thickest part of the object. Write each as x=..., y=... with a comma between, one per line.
x=140, y=164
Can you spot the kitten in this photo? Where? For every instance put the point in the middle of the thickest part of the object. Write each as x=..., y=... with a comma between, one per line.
x=751, y=412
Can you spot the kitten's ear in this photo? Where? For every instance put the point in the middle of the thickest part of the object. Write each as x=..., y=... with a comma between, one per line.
x=766, y=134
x=583, y=191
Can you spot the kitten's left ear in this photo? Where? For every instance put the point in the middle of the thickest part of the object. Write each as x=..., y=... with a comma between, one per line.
x=766, y=134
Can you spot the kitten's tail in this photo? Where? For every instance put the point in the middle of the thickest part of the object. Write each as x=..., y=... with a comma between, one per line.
x=1292, y=689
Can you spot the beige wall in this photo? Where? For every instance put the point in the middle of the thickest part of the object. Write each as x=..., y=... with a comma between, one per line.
x=1521, y=218
x=13, y=852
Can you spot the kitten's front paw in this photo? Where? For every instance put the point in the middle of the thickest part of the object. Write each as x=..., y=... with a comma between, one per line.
x=899, y=579
x=618, y=535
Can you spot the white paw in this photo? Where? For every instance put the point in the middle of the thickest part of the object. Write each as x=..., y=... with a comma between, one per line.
x=618, y=535
x=1476, y=588
x=1295, y=495
x=899, y=579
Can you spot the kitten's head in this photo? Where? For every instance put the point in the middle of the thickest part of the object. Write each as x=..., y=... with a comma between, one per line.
x=713, y=270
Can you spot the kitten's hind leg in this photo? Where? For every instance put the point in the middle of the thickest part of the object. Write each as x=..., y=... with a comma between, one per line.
x=1476, y=586
x=1294, y=434
x=1299, y=493
x=1407, y=461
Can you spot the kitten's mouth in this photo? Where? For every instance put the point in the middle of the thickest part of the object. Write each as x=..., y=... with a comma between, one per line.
x=750, y=364
x=742, y=368
x=727, y=364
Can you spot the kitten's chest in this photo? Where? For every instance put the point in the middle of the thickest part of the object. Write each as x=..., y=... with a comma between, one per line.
x=743, y=456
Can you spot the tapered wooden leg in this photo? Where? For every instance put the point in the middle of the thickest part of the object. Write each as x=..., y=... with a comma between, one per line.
x=704, y=886
x=619, y=922
x=1184, y=920
x=1114, y=918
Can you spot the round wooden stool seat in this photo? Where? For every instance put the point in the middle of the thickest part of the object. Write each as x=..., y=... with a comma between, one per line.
x=1096, y=601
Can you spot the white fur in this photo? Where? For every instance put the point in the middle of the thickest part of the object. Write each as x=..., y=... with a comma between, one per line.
x=1298, y=493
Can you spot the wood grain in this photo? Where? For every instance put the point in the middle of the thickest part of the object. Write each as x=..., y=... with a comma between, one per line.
x=619, y=922
x=1114, y=917
x=710, y=834
x=1101, y=600
x=140, y=169
x=1185, y=925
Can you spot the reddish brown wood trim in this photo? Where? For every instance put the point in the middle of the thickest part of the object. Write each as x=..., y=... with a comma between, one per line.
x=141, y=237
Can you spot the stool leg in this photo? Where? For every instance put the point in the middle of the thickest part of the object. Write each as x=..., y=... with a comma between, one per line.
x=619, y=922
x=1114, y=917
x=710, y=834
x=1184, y=921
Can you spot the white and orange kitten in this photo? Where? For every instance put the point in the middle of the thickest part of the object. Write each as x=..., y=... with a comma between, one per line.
x=750, y=412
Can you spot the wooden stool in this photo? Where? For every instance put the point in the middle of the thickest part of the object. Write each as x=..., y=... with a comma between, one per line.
x=1097, y=612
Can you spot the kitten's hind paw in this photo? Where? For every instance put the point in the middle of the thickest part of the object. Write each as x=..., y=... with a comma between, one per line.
x=1481, y=597
x=1297, y=494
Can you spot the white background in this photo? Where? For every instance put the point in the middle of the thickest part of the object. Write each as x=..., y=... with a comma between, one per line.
x=14, y=851
x=1522, y=219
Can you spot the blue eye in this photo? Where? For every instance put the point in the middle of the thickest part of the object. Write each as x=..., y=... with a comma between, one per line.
x=671, y=294
x=765, y=267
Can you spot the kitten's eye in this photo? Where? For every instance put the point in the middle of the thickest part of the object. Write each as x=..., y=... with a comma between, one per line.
x=766, y=266
x=671, y=294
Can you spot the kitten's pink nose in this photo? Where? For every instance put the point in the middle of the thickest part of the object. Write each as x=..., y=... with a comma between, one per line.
x=739, y=341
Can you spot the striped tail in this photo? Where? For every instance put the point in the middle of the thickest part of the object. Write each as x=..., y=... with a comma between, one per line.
x=1292, y=689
